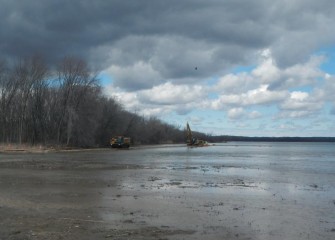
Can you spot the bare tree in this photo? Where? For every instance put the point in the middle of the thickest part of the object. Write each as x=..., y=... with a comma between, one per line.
x=3, y=80
x=30, y=74
x=75, y=78
x=38, y=116
x=110, y=120
x=9, y=87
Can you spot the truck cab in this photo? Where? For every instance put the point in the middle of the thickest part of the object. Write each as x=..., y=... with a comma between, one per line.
x=120, y=142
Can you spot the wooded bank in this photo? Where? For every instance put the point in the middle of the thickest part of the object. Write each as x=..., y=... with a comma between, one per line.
x=63, y=104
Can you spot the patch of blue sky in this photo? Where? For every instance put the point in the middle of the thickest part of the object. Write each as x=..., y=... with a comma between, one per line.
x=213, y=95
x=196, y=118
x=329, y=109
x=212, y=81
x=240, y=69
x=332, y=110
x=105, y=79
x=329, y=65
x=307, y=89
x=174, y=119
x=203, y=119
x=265, y=110
x=218, y=120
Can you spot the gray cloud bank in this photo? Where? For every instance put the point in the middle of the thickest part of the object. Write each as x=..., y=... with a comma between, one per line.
x=146, y=43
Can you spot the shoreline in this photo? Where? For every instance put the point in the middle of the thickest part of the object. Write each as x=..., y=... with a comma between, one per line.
x=17, y=148
x=27, y=148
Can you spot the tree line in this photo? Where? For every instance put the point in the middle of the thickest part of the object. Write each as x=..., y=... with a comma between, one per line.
x=269, y=139
x=63, y=104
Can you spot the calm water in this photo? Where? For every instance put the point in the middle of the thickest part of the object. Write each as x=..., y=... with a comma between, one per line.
x=294, y=182
x=306, y=170
x=299, y=158
x=302, y=164
x=286, y=155
x=251, y=190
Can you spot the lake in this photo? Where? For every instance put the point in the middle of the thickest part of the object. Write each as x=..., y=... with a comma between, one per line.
x=234, y=190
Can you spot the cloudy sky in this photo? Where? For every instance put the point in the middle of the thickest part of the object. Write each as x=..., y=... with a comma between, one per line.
x=237, y=67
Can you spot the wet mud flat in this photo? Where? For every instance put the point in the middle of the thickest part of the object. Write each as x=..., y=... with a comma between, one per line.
x=159, y=194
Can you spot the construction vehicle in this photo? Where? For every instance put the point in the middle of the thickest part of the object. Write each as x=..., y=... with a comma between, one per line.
x=192, y=141
x=120, y=142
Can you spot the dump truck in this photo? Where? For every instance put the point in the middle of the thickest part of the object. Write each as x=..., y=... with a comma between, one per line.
x=120, y=142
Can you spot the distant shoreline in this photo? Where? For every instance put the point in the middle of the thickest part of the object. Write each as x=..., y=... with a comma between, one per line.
x=26, y=148
x=269, y=139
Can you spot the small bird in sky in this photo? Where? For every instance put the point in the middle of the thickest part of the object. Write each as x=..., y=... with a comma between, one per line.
x=196, y=68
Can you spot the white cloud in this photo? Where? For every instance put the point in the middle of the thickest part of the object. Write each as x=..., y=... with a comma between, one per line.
x=240, y=113
x=301, y=101
x=254, y=115
x=128, y=99
x=235, y=113
x=161, y=99
x=269, y=85
x=299, y=96
x=170, y=94
x=148, y=111
x=262, y=95
x=267, y=71
x=259, y=96
x=234, y=83
x=294, y=114
x=303, y=74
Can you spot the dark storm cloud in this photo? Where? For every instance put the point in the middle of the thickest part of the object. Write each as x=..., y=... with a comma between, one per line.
x=170, y=37
x=91, y=23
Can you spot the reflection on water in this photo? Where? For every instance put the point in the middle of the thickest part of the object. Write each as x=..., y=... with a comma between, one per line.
x=261, y=190
x=277, y=190
x=285, y=167
x=288, y=157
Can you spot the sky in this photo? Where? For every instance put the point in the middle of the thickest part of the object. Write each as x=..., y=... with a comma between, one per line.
x=228, y=67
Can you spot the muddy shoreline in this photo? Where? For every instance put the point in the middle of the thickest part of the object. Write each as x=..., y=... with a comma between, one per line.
x=23, y=148
x=121, y=195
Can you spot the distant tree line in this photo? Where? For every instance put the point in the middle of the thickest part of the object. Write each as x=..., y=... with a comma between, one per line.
x=269, y=139
x=64, y=105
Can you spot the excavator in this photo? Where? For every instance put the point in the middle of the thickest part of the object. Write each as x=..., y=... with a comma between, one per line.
x=192, y=141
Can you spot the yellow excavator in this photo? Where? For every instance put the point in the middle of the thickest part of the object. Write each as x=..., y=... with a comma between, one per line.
x=193, y=141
